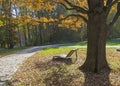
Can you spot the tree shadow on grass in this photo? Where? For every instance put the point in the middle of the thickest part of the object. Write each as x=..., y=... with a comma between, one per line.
x=100, y=79
x=58, y=74
x=61, y=76
x=58, y=78
x=46, y=64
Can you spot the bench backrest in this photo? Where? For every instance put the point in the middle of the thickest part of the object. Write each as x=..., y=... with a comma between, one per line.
x=71, y=52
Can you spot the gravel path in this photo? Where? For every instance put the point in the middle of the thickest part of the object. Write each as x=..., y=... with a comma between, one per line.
x=10, y=63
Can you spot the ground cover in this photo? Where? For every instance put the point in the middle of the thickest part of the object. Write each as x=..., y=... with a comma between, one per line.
x=40, y=70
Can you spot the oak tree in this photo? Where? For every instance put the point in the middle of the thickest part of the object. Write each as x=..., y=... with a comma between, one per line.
x=95, y=14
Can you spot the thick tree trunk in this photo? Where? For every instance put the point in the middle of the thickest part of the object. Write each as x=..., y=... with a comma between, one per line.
x=96, y=50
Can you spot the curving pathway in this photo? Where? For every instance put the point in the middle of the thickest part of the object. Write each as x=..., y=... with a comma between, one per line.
x=10, y=63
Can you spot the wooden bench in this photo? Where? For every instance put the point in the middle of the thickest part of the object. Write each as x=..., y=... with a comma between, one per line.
x=118, y=50
x=66, y=58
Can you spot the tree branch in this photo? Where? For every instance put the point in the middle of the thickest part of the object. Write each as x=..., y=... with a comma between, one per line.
x=114, y=19
x=108, y=2
x=109, y=5
x=116, y=15
x=112, y=3
x=67, y=8
x=77, y=8
x=76, y=15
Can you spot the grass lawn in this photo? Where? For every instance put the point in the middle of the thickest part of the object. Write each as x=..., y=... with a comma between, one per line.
x=4, y=52
x=40, y=70
x=113, y=42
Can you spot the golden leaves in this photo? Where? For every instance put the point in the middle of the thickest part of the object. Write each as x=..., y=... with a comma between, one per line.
x=43, y=19
x=0, y=1
x=61, y=16
x=72, y=23
x=35, y=5
x=1, y=23
x=82, y=3
x=47, y=6
x=47, y=20
x=22, y=20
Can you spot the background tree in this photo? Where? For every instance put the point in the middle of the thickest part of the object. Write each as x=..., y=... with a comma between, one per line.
x=9, y=38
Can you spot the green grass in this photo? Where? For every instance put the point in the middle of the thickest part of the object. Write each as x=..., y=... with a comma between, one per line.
x=4, y=52
x=39, y=70
x=79, y=44
x=114, y=42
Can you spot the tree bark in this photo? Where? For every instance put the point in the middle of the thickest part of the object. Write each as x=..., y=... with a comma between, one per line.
x=19, y=37
x=96, y=50
x=28, y=35
x=25, y=37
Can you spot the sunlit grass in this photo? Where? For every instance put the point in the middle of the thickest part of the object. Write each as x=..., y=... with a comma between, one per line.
x=38, y=70
x=3, y=52
x=114, y=42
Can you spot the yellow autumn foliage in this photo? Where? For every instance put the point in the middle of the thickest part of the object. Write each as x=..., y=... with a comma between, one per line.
x=37, y=5
x=72, y=23
x=1, y=23
x=43, y=19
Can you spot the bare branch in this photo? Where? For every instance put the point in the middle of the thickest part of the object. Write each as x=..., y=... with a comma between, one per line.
x=77, y=8
x=109, y=5
x=114, y=19
x=108, y=2
x=67, y=8
x=116, y=15
x=112, y=3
